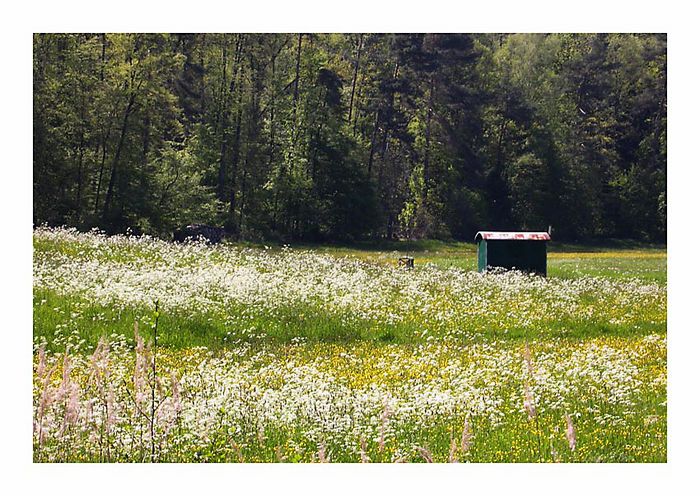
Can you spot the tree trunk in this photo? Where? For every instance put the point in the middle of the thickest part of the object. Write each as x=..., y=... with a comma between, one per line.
x=371, y=145
x=272, y=119
x=428, y=125
x=388, y=107
x=202, y=86
x=226, y=99
x=105, y=138
x=389, y=113
x=105, y=135
x=358, y=112
x=252, y=136
x=315, y=137
x=271, y=155
x=296, y=80
x=78, y=199
x=146, y=143
x=354, y=78
x=295, y=103
x=234, y=167
x=117, y=154
x=501, y=139
x=104, y=53
x=222, y=120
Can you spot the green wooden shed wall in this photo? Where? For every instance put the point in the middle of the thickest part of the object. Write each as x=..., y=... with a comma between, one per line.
x=525, y=251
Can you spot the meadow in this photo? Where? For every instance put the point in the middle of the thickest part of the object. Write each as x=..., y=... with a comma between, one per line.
x=298, y=354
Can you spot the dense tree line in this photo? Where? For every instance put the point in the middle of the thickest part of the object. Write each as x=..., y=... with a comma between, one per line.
x=344, y=136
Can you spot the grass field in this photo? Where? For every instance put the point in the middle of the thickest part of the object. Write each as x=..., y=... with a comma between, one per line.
x=305, y=353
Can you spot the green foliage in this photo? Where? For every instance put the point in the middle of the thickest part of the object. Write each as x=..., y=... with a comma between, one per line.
x=349, y=136
x=527, y=184
x=181, y=195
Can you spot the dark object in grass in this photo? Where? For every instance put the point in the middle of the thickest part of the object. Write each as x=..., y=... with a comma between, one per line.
x=406, y=262
x=212, y=235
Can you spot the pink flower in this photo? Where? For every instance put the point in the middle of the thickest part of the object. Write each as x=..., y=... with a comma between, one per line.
x=363, y=450
x=427, y=456
x=570, y=432
x=466, y=436
x=529, y=402
x=453, y=451
x=323, y=457
x=382, y=428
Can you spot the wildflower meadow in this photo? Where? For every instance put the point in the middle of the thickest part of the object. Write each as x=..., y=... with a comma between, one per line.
x=150, y=351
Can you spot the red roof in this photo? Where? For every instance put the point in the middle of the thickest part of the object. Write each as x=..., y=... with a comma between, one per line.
x=516, y=236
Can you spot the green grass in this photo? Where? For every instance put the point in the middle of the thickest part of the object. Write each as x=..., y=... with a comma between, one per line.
x=361, y=353
x=617, y=260
x=515, y=441
x=89, y=321
x=620, y=260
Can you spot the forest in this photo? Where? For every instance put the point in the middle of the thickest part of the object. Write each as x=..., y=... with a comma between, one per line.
x=346, y=137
